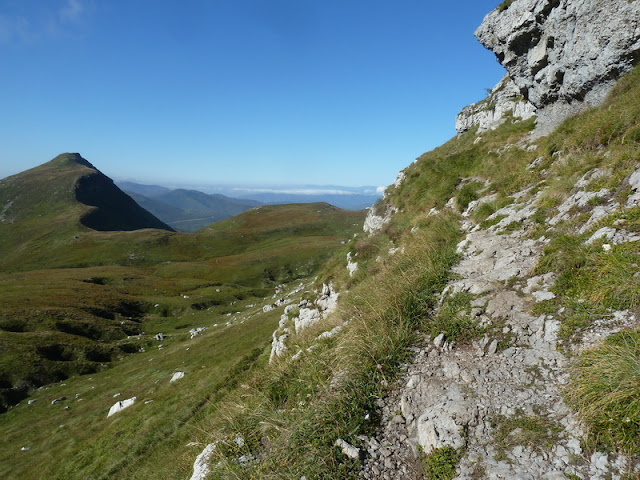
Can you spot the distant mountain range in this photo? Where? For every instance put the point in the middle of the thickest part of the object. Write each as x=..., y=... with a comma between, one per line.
x=187, y=210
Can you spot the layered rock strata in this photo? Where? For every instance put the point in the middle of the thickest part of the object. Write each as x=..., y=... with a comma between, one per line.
x=505, y=99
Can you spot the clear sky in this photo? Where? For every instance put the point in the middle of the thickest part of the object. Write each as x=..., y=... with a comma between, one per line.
x=343, y=92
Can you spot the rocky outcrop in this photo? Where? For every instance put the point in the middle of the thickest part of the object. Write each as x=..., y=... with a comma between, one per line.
x=201, y=464
x=564, y=55
x=505, y=99
x=374, y=222
x=308, y=315
x=458, y=395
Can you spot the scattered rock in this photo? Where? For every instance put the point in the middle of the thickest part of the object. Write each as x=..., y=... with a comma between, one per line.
x=201, y=465
x=374, y=223
x=119, y=406
x=196, y=331
x=176, y=376
x=351, y=265
x=347, y=449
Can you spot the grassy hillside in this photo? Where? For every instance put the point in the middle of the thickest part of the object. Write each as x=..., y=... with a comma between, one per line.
x=74, y=299
x=289, y=413
x=296, y=409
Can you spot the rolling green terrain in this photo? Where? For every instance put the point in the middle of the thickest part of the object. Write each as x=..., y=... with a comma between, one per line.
x=74, y=299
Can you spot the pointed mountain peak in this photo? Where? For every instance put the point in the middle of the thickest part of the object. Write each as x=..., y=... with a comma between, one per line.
x=70, y=159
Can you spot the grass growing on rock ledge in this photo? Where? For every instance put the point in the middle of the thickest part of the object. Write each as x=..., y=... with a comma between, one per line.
x=535, y=432
x=605, y=389
x=293, y=413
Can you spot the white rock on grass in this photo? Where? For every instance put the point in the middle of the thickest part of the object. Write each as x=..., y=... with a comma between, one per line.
x=278, y=345
x=196, y=331
x=306, y=318
x=201, y=464
x=351, y=266
x=176, y=376
x=119, y=406
x=374, y=223
x=348, y=449
x=331, y=333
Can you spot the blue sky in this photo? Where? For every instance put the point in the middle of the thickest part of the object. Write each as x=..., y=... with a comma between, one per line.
x=341, y=92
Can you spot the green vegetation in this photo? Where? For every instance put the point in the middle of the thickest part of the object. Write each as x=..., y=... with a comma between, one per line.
x=536, y=432
x=82, y=442
x=73, y=299
x=295, y=410
x=441, y=463
x=504, y=5
x=605, y=389
x=467, y=194
x=453, y=320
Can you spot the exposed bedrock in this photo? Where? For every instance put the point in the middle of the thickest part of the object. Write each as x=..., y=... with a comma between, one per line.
x=563, y=55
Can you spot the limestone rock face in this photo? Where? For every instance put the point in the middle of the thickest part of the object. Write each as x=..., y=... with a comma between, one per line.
x=564, y=55
x=492, y=111
x=374, y=222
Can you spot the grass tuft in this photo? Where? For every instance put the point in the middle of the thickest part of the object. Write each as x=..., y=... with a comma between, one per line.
x=605, y=390
x=441, y=463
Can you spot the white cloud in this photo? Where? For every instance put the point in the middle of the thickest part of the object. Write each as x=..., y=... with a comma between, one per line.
x=380, y=190
x=298, y=191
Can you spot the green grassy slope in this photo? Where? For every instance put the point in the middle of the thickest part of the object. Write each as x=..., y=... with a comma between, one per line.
x=149, y=440
x=71, y=297
x=297, y=409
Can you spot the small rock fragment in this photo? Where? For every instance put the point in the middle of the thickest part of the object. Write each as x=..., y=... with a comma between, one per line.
x=348, y=449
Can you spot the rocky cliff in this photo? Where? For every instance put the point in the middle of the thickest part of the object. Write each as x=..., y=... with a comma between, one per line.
x=563, y=55
x=504, y=99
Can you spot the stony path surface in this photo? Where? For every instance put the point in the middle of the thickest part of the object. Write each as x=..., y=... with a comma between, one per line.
x=457, y=395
